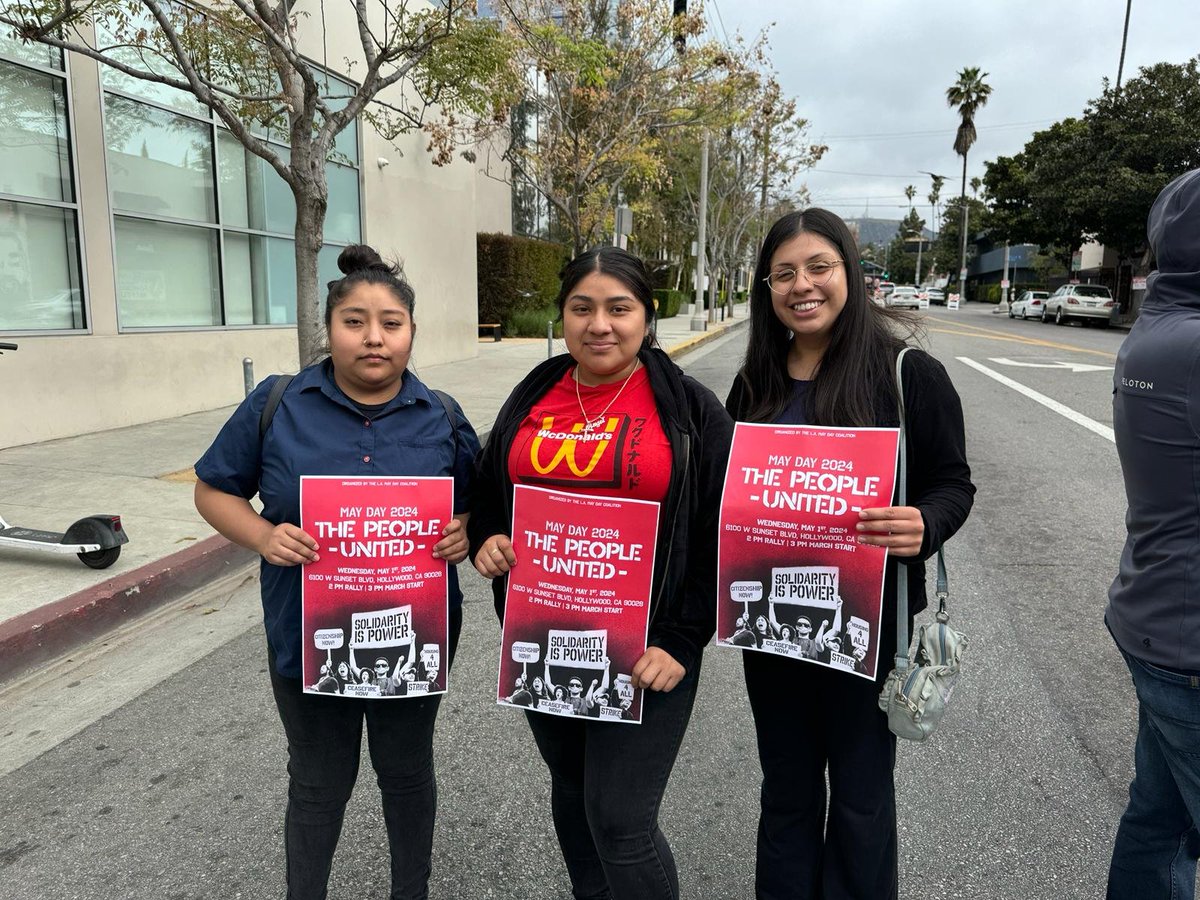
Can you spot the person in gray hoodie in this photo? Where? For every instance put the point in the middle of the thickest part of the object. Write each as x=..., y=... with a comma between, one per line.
x=1154, y=602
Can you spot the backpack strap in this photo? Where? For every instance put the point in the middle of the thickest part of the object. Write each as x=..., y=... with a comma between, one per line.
x=448, y=405
x=273, y=398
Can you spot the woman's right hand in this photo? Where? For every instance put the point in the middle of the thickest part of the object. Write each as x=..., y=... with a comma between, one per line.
x=289, y=545
x=495, y=557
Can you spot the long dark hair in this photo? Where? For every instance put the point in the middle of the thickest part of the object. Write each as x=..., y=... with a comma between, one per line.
x=621, y=265
x=855, y=373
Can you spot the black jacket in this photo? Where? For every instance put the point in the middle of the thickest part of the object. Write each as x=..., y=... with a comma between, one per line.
x=939, y=479
x=683, y=600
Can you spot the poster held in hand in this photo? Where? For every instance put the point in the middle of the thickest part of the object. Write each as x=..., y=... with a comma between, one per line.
x=577, y=605
x=792, y=578
x=374, y=620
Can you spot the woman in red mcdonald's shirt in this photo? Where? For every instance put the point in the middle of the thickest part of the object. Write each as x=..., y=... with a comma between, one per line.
x=614, y=416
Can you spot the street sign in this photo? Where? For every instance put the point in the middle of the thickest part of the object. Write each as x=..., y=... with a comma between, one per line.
x=962, y=273
x=1139, y=283
x=1004, y=283
x=1068, y=366
x=952, y=301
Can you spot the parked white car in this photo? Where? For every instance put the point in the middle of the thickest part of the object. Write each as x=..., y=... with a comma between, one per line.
x=1085, y=302
x=907, y=296
x=935, y=296
x=1029, y=305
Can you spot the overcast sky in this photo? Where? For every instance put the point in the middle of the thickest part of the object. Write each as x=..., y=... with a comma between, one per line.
x=871, y=75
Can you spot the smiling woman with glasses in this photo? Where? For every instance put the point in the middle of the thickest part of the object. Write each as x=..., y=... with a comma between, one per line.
x=819, y=353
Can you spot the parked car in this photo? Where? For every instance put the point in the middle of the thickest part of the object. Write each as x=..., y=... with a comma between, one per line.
x=884, y=291
x=907, y=296
x=1028, y=305
x=936, y=296
x=1085, y=302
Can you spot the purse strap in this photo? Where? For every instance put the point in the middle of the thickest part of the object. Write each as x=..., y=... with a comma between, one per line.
x=943, y=590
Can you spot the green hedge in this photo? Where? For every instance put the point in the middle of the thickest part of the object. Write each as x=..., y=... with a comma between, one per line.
x=669, y=302
x=532, y=322
x=517, y=275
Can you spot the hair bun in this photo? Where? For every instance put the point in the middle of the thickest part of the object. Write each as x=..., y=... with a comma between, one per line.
x=357, y=257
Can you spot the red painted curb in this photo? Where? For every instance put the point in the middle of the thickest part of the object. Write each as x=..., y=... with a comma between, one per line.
x=59, y=627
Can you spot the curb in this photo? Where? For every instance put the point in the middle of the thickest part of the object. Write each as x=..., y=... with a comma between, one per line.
x=57, y=628
x=704, y=337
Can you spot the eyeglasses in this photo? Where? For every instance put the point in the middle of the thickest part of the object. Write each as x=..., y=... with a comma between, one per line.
x=818, y=275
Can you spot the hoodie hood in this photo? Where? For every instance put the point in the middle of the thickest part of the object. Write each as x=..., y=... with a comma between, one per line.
x=1173, y=228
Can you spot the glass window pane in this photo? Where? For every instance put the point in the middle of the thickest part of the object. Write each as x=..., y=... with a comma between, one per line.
x=33, y=141
x=341, y=217
x=166, y=274
x=252, y=193
x=231, y=174
x=158, y=163
x=260, y=280
x=143, y=58
x=40, y=285
x=271, y=204
x=38, y=54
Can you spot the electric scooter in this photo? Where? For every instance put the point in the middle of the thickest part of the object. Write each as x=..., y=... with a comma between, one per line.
x=96, y=540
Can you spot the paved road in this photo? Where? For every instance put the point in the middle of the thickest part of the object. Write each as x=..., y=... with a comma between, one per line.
x=162, y=771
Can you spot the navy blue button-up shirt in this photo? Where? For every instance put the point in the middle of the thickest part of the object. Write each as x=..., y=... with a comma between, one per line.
x=317, y=430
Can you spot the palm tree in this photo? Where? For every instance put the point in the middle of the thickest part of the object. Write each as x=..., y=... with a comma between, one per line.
x=967, y=95
x=910, y=192
x=935, y=194
x=976, y=184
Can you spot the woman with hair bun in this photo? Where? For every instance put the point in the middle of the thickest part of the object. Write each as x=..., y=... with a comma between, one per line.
x=357, y=412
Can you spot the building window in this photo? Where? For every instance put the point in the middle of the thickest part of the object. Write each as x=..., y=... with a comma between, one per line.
x=41, y=288
x=203, y=227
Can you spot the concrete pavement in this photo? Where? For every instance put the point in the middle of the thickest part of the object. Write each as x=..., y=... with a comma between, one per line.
x=50, y=603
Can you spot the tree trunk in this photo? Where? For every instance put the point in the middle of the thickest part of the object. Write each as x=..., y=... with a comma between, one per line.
x=962, y=257
x=310, y=233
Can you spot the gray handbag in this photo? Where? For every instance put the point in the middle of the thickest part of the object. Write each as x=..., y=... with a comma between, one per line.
x=919, y=688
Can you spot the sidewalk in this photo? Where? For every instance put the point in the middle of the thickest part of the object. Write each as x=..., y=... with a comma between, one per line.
x=50, y=603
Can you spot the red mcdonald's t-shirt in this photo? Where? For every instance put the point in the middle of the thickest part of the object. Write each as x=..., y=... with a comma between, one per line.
x=625, y=455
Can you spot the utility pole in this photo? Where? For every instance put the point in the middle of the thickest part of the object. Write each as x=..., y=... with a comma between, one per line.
x=698, y=320
x=1003, y=307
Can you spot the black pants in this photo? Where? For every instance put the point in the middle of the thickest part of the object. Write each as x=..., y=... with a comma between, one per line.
x=607, y=784
x=324, y=737
x=810, y=720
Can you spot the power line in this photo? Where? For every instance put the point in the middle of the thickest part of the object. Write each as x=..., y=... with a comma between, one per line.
x=889, y=135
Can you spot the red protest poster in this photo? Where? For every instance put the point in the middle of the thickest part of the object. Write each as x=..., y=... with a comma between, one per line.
x=578, y=604
x=375, y=619
x=792, y=578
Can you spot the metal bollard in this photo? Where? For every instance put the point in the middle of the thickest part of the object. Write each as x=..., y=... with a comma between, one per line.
x=549, y=338
x=248, y=374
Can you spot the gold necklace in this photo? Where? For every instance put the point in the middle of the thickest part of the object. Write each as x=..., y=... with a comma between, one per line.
x=590, y=424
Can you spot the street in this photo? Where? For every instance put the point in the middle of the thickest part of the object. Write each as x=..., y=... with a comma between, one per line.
x=165, y=775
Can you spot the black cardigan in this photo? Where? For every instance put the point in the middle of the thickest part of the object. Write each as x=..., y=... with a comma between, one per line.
x=939, y=479
x=684, y=595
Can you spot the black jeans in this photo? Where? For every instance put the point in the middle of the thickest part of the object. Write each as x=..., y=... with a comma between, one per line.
x=810, y=719
x=607, y=781
x=324, y=737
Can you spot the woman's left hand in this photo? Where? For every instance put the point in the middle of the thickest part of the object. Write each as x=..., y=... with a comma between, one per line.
x=454, y=545
x=657, y=670
x=899, y=528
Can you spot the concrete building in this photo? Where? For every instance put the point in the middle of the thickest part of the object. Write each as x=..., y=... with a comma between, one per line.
x=144, y=253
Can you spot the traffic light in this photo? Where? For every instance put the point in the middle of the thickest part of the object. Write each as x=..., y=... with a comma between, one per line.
x=885, y=274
